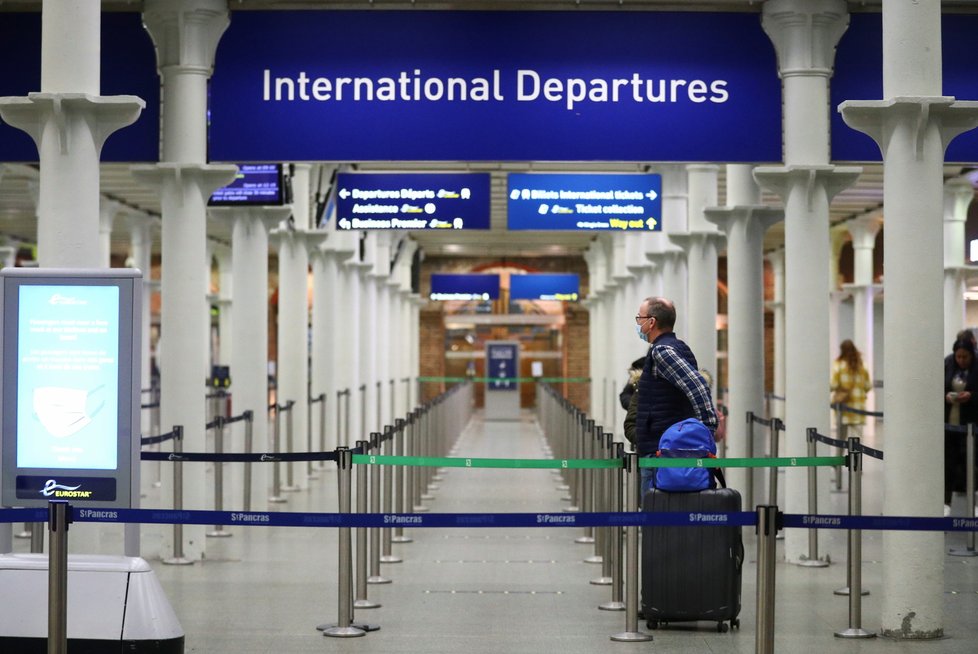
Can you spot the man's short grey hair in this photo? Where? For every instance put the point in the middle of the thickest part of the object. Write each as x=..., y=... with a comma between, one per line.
x=663, y=311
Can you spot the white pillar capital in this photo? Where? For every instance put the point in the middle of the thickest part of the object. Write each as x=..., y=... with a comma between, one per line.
x=756, y=216
x=812, y=180
x=805, y=33
x=958, y=194
x=863, y=230
x=186, y=32
x=203, y=178
x=265, y=218
x=879, y=118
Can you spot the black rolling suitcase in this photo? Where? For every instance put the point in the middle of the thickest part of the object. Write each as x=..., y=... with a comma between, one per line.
x=692, y=573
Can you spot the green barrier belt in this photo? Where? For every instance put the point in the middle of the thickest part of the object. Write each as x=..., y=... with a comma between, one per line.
x=647, y=462
x=527, y=380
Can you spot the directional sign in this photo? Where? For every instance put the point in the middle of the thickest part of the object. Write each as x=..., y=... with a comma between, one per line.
x=446, y=286
x=412, y=201
x=585, y=202
x=503, y=361
x=560, y=286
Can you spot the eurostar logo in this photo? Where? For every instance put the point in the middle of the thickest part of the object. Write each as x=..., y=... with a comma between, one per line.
x=51, y=487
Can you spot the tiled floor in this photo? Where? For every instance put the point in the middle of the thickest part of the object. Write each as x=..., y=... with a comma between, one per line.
x=515, y=591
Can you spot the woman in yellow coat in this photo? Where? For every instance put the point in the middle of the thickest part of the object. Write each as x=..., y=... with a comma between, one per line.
x=850, y=384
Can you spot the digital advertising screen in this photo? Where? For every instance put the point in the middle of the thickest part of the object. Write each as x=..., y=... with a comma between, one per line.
x=70, y=410
x=448, y=286
x=255, y=184
x=584, y=202
x=412, y=201
x=540, y=286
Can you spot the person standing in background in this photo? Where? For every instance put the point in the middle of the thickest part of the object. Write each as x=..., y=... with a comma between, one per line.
x=850, y=383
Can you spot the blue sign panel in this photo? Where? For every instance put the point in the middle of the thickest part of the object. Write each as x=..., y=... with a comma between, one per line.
x=502, y=363
x=446, y=286
x=128, y=67
x=561, y=286
x=255, y=184
x=412, y=200
x=471, y=85
x=584, y=202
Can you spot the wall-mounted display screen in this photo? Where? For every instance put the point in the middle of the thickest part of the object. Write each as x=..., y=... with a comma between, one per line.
x=412, y=201
x=541, y=201
x=445, y=286
x=560, y=286
x=70, y=415
x=255, y=184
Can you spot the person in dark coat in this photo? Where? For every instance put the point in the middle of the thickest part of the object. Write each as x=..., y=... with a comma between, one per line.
x=960, y=408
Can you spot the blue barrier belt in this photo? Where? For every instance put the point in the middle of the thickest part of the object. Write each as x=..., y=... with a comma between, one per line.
x=239, y=457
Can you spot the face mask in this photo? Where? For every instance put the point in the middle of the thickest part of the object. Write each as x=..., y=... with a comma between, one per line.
x=65, y=411
x=642, y=335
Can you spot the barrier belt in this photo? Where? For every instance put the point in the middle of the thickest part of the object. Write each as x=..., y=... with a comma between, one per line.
x=231, y=421
x=151, y=405
x=845, y=408
x=213, y=423
x=459, y=462
x=765, y=422
x=956, y=429
x=266, y=457
x=772, y=396
x=546, y=380
x=153, y=440
x=505, y=520
x=868, y=451
x=834, y=442
x=777, y=462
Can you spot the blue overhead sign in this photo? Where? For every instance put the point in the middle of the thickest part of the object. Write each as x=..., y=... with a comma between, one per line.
x=584, y=202
x=448, y=286
x=544, y=286
x=495, y=85
x=412, y=200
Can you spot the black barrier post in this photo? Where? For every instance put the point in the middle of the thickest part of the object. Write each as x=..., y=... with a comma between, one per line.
x=276, y=497
x=586, y=501
x=178, y=558
x=249, y=417
x=59, y=517
x=344, y=627
x=360, y=598
x=812, y=561
x=767, y=532
x=617, y=475
x=602, y=535
x=774, y=448
x=387, y=534
x=633, y=484
x=218, y=531
x=750, y=455
x=402, y=481
x=841, y=433
x=36, y=530
x=855, y=562
x=291, y=486
x=969, y=494
x=376, y=472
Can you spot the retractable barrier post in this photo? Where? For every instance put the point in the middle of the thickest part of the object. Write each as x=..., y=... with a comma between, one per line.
x=429, y=424
x=178, y=558
x=767, y=531
x=855, y=562
x=37, y=537
x=59, y=517
x=290, y=486
x=841, y=433
x=387, y=534
x=402, y=477
x=360, y=600
x=969, y=494
x=750, y=455
x=617, y=602
x=602, y=543
x=218, y=531
x=154, y=417
x=344, y=623
x=632, y=482
x=586, y=498
x=417, y=445
x=276, y=497
x=249, y=417
x=376, y=472
x=772, y=480
x=813, y=561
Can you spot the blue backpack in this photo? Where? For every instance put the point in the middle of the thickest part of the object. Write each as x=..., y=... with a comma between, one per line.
x=687, y=439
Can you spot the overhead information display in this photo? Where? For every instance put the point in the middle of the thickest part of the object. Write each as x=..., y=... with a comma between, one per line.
x=412, y=201
x=448, y=286
x=558, y=286
x=584, y=202
x=258, y=184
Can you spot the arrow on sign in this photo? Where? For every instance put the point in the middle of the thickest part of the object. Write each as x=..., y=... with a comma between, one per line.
x=344, y=193
x=651, y=195
x=344, y=223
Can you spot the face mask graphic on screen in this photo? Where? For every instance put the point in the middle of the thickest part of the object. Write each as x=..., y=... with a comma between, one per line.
x=64, y=411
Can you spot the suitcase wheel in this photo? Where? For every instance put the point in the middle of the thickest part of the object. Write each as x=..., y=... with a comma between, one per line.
x=652, y=624
x=722, y=627
x=735, y=623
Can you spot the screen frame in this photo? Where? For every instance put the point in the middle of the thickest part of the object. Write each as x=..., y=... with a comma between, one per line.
x=280, y=197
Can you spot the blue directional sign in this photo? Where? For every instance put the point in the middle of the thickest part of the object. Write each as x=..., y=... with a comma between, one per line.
x=585, y=202
x=412, y=201
x=446, y=286
x=559, y=286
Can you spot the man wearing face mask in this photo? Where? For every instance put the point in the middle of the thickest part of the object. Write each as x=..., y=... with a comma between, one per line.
x=671, y=387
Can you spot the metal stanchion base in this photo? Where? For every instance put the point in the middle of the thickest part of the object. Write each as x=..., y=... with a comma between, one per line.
x=379, y=580
x=612, y=606
x=22, y=534
x=343, y=632
x=366, y=627
x=955, y=551
x=365, y=604
x=813, y=563
x=594, y=558
x=563, y=487
x=780, y=536
x=601, y=581
x=402, y=539
x=631, y=637
x=420, y=509
x=584, y=540
x=291, y=489
x=570, y=509
x=437, y=478
x=390, y=558
x=218, y=533
x=845, y=592
x=275, y=499
x=854, y=633
x=178, y=560
x=427, y=496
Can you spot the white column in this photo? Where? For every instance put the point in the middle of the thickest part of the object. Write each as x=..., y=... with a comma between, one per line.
x=701, y=243
x=368, y=329
x=912, y=124
x=225, y=304
x=744, y=220
x=623, y=339
x=186, y=33
x=838, y=235
x=775, y=260
x=409, y=318
x=69, y=122
x=141, y=247
x=321, y=375
x=669, y=258
x=863, y=231
x=349, y=360
x=381, y=333
x=958, y=195
x=108, y=210
x=804, y=33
